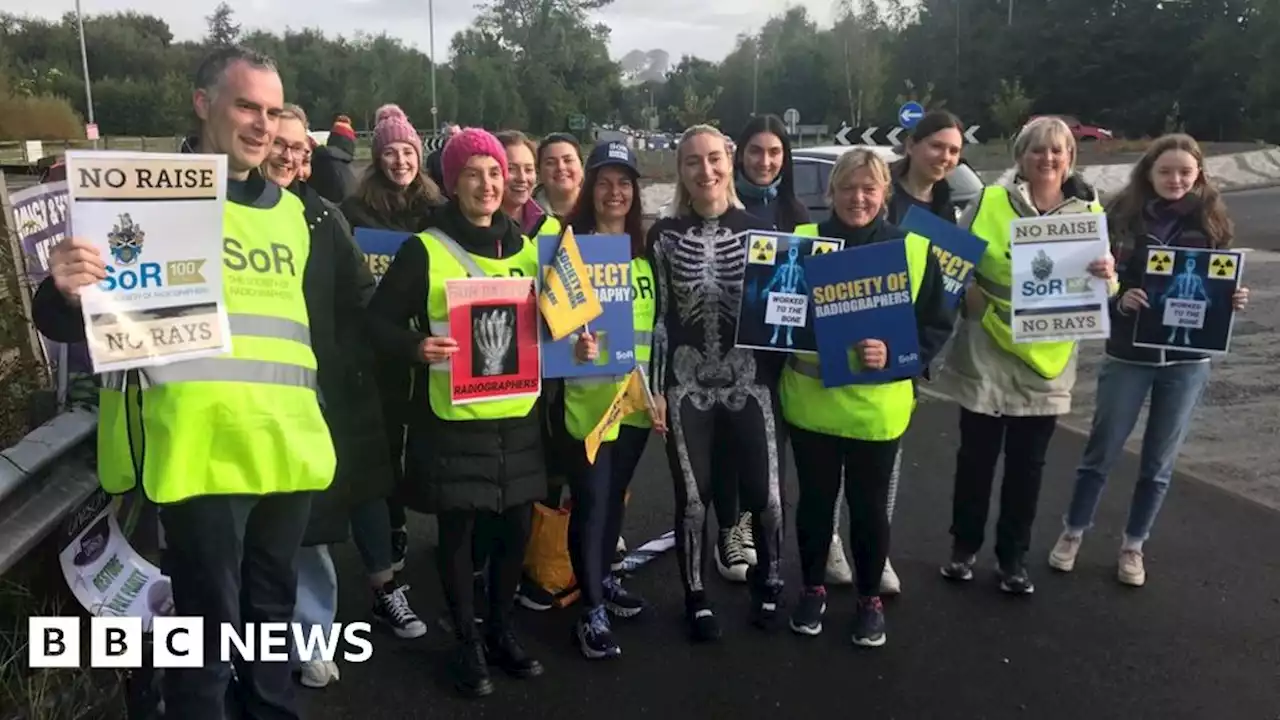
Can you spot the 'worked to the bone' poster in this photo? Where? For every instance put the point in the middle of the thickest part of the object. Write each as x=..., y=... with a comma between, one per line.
x=775, y=313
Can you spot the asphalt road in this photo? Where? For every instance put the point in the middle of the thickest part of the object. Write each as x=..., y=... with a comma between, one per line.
x=1200, y=642
x=1256, y=214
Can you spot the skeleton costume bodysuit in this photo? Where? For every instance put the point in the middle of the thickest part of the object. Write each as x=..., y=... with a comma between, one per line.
x=715, y=393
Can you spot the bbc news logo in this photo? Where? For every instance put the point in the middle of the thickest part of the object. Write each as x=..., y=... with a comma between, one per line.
x=178, y=642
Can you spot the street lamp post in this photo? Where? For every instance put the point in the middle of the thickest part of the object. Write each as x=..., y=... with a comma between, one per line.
x=431, y=38
x=84, y=64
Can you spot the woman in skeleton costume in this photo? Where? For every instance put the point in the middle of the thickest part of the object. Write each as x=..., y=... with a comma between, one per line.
x=712, y=392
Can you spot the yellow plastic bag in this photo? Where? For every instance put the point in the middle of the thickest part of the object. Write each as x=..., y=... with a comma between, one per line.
x=546, y=557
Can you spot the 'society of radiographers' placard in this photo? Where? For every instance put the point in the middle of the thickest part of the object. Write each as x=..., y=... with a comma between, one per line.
x=775, y=312
x=1189, y=299
x=1055, y=298
x=156, y=218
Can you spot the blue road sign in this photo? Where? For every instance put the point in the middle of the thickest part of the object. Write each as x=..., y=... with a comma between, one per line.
x=910, y=113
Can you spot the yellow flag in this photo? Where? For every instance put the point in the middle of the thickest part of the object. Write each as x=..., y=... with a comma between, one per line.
x=631, y=397
x=568, y=301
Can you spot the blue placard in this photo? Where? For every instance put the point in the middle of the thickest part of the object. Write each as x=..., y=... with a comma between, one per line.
x=860, y=294
x=910, y=113
x=958, y=251
x=609, y=260
x=379, y=247
x=775, y=313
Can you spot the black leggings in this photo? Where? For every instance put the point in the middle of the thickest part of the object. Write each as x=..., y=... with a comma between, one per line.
x=1025, y=441
x=867, y=469
x=599, y=496
x=756, y=440
x=509, y=532
x=724, y=490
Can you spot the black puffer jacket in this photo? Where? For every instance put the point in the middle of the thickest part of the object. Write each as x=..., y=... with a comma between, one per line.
x=1163, y=223
x=450, y=465
x=338, y=285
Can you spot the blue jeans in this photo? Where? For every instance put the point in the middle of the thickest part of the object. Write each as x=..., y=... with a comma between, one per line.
x=317, y=602
x=1122, y=388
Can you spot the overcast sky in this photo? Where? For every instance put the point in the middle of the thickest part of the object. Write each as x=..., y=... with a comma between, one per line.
x=706, y=28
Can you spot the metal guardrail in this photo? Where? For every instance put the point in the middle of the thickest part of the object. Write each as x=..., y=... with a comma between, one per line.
x=44, y=478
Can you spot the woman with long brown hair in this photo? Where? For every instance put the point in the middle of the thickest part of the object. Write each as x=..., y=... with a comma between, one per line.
x=608, y=205
x=394, y=194
x=1170, y=203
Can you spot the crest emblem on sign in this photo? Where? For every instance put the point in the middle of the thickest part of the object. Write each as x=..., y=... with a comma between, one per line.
x=125, y=240
x=1042, y=266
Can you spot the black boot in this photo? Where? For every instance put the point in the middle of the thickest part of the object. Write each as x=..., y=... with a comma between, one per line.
x=470, y=671
x=504, y=650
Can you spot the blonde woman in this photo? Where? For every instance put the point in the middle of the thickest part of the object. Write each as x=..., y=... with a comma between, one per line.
x=709, y=391
x=853, y=433
x=1011, y=395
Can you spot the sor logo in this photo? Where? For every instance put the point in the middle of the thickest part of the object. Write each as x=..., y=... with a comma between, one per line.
x=1042, y=266
x=125, y=241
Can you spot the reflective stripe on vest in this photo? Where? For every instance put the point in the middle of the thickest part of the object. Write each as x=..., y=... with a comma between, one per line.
x=244, y=423
x=994, y=277
x=446, y=260
x=861, y=412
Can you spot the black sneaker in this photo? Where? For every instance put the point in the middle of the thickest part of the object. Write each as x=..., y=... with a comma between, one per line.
x=533, y=596
x=960, y=567
x=1014, y=579
x=470, y=670
x=391, y=607
x=703, y=625
x=807, y=618
x=621, y=602
x=399, y=548
x=868, y=625
x=594, y=636
x=503, y=649
x=765, y=603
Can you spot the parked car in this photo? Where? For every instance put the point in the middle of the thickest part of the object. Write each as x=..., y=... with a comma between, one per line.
x=1083, y=132
x=813, y=170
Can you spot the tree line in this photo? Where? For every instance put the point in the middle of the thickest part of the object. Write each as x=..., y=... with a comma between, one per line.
x=1138, y=67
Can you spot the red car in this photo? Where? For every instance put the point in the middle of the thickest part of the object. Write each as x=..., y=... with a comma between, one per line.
x=1083, y=132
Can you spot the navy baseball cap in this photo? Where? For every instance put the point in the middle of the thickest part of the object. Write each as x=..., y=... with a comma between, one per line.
x=613, y=153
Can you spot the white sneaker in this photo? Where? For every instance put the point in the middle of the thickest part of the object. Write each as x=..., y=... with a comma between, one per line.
x=746, y=536
x=890, y=584
x=1063, y=555
x=1132, y=571
x=838, y=570
x=334, y=675
x=315, y=674
x=731, y=561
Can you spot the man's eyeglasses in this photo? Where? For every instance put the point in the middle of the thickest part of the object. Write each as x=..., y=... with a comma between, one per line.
x=299, y=150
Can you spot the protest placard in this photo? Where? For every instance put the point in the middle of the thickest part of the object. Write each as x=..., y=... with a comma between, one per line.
x=494, y=321
x=157, y=220
x=606, y=265
x=1189, y=299
x=859, y=294
x=1055, y=298
x=775, y=313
